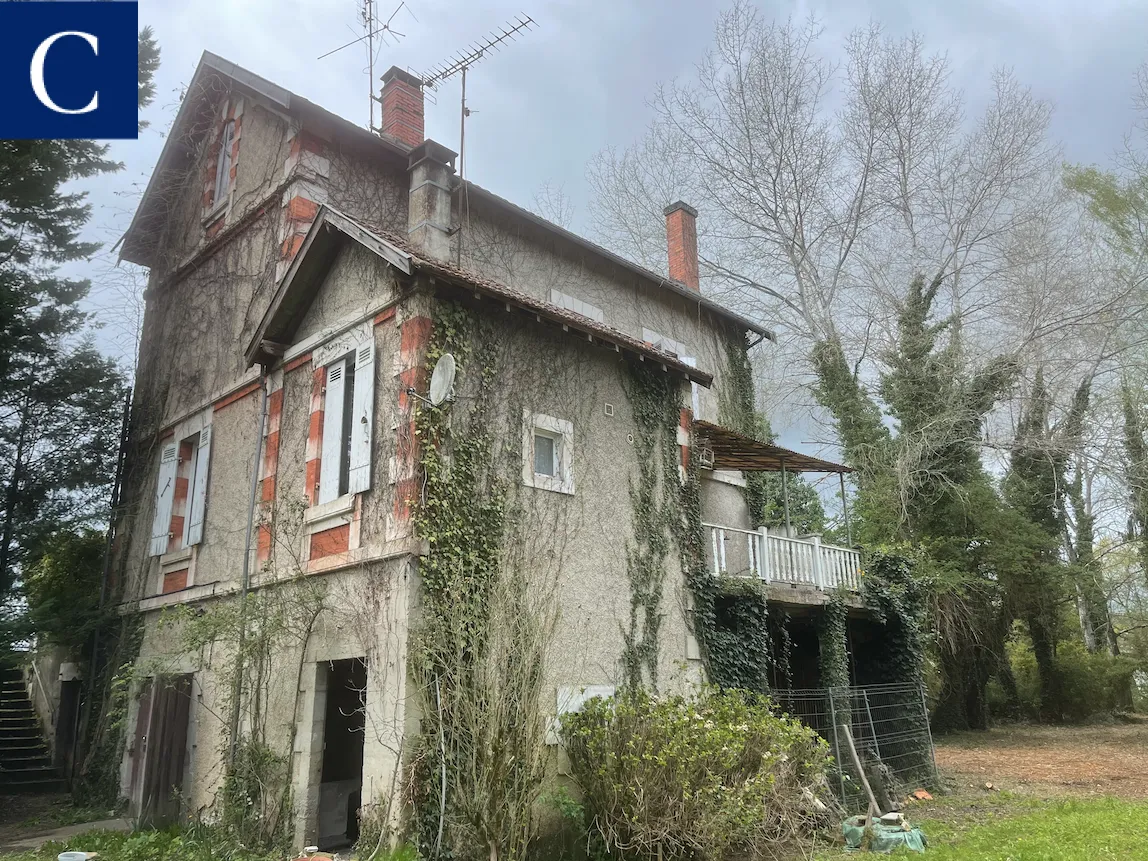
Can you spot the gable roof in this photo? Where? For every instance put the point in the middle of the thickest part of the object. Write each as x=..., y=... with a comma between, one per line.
x=213, y=76
x=332, y=229
x=194, y=119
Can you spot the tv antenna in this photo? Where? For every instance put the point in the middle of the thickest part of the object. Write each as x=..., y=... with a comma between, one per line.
x=371, y=29
x=459, y=63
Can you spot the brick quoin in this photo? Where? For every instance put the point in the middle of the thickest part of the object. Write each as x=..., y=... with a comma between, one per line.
x=682, y=243
x=686, y=421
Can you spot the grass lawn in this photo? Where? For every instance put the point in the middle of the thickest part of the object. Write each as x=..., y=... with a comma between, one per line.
x=1071, y=794
x=1074, y=829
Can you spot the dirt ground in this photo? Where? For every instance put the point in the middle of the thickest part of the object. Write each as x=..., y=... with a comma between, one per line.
x=1080, y=760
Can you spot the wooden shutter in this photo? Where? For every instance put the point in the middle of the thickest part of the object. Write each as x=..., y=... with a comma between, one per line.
x=199, y=488
x=164, y=493
x=332, y=455
x=362, y=418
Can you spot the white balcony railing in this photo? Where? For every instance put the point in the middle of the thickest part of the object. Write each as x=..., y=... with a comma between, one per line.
x=778, y=559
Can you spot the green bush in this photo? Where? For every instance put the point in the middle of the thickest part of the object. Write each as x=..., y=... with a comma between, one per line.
x=1091, y=684
x=700, y=778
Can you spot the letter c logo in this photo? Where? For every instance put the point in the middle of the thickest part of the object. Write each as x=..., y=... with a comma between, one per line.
x=38, y=72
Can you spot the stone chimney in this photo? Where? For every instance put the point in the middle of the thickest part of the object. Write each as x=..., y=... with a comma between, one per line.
x=428, y=214
x=682, y=243
x=402, y=106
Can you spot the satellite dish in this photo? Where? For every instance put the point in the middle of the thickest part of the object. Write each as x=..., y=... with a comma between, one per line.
x=442, y=379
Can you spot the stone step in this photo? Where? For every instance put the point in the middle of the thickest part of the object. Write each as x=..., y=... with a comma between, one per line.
x=39, y=759
x=19, y=738
x=36, y=786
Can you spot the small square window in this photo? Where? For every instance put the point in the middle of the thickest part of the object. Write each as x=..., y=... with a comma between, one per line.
x=545, y=454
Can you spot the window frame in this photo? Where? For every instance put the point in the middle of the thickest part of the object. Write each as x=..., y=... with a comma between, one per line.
x=222, y=189
x=354, y=352
x=562, y=432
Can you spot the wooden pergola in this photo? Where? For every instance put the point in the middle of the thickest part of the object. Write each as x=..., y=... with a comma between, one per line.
x=721, y=448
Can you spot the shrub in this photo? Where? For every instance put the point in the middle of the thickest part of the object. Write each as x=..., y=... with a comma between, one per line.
x=1090, y=683
x=695, y=778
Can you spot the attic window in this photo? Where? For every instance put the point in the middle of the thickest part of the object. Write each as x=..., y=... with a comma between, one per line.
x=223, y=162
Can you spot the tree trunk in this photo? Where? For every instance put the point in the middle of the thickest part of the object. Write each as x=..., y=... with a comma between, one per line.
x=1008, y=683
x=11, y=498
x=1043, y=647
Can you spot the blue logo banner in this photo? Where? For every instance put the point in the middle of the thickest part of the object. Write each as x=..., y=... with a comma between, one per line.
x=69, y=69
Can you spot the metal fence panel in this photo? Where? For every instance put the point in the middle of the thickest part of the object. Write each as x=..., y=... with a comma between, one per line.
x=890, y=729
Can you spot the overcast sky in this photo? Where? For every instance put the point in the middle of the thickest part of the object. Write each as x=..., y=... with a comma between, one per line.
x=579, y=81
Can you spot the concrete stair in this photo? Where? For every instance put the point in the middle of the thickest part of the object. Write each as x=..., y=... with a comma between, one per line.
x=25, y=763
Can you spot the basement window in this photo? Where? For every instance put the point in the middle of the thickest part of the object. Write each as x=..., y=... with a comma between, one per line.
x=547, y=452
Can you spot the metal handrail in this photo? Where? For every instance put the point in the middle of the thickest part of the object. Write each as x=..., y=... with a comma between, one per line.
x=802, y=560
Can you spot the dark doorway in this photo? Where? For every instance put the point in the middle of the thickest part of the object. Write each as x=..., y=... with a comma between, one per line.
x=66, y=722
x=341, y=781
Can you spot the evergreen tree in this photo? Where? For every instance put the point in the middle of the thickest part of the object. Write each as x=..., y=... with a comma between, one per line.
x=59, y=398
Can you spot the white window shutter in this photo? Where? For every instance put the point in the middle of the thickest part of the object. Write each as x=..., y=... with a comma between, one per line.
x=199, y=489
x=362, y=418
x=332, y=455
x=164, y=493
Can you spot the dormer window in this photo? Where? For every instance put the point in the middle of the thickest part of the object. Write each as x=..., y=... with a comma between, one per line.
x=223, y=163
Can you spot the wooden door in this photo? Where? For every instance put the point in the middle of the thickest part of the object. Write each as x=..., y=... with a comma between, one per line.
x=166, y=748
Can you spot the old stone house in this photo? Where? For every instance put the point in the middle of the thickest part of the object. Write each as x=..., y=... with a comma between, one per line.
x=298, y=265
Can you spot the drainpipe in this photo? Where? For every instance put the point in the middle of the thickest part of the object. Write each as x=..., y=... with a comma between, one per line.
x=245, y=577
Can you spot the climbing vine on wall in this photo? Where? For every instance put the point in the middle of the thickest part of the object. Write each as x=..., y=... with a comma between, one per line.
x=897, y=599
x=479, y=650
x=832, y=641
x=654, y=399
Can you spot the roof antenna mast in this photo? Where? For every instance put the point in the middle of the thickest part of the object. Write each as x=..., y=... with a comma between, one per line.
x=371, y=28
x=460, y=62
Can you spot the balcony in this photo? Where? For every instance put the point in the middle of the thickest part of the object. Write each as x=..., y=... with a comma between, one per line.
x=776, y=558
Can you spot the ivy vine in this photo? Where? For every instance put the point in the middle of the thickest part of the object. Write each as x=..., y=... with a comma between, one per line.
x=832, y=641
x=654, y=400
x=897, y=599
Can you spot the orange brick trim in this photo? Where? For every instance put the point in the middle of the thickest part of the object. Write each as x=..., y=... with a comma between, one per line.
x=297, y=363
x=414, y=339
x=331, y=541
x=268, y=477
x=384, y=316
x=228, y=400
x=173, y=581
x=179, y=507
x=315, y=436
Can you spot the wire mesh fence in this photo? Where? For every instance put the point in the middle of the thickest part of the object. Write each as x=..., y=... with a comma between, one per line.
x=889, y=725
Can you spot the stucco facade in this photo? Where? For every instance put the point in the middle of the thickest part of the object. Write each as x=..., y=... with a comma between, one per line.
x=314, y=261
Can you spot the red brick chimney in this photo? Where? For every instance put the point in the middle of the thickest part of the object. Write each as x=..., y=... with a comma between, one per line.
x=682, y=242
x=403, y=106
